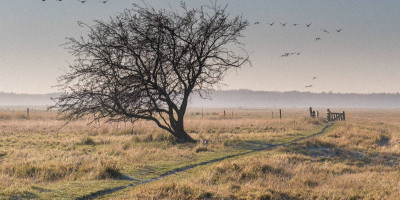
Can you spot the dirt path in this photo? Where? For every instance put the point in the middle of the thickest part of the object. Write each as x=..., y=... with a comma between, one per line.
x=178, y=170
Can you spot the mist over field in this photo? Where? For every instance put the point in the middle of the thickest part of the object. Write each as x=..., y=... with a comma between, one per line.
x=247, y=99
x=12, y=99
x=260, y=99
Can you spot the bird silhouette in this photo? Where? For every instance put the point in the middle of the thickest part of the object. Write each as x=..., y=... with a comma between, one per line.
x=308, y=86
x=308, y=25
x=314, y=78
x=295, y=24
x=289, y=54
x=316, y=39
x=256, y=23
x=271, y=24
x=283, y=24
x=82, y=1
x=285, y=55
x=339, y=30
x=324, y=30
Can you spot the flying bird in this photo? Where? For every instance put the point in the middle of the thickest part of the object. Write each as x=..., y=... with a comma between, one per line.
x=308, y=25
x=298, y=53
x=82, y=1
x=285, y=55
x=256, y=22
x=295, y=24
x=308, y=86
x=283, y=24
x=339, y=30
x=324, y=30
x=271, y=24
x=316, y=39
x=314, y=78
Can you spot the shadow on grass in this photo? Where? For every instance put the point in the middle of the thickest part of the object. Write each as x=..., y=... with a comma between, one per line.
x=248, y=144
x=322, y=151
x=40, y=189
x=23, y=195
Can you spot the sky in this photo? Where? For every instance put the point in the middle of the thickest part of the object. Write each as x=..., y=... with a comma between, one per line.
x=362, y=58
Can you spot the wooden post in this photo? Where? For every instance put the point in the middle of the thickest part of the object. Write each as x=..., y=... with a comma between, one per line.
x=328, y=115
x=224, y=113
x=317, y=114
x=280, y=113
x=201, y=113
x=27, y=112
x=344, y=116
x=311, y=112
x=272, y=114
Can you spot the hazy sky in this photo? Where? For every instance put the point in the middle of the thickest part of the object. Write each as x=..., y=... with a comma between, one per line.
x=363, y=58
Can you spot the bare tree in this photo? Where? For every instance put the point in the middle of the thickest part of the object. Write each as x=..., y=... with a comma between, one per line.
x=145, y=63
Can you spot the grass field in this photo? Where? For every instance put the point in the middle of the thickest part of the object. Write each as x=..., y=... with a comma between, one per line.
x=356, y=159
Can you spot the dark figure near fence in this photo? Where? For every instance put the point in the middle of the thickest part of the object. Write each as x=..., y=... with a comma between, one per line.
x=331, y=116
x=313, y=114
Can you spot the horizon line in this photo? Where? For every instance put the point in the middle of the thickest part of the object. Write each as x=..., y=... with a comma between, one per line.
x=274, y=91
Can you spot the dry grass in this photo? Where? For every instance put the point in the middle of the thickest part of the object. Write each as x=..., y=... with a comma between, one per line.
x=35, y=153
x=357, y=159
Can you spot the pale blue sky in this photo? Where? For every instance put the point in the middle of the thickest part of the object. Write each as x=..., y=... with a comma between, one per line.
x=363, y=58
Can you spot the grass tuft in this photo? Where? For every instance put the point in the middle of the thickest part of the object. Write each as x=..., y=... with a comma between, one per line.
x=201, y=149
x=109, y=172
x=87, y=141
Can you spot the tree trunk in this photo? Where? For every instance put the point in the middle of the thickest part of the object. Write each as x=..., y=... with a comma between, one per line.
x=183, y=137
x=180, y=133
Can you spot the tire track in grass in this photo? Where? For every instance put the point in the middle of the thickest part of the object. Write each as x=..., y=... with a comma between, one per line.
x=100, y=193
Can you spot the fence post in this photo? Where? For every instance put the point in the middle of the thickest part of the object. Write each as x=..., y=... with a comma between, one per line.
x=201, y=113
x=27, y=112
x=329, y=115
x=272, y=114
x=280, y=113
x=224, y=113
x=344, y=116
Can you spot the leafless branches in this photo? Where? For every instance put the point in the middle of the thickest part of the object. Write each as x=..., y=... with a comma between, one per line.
x=145, y=63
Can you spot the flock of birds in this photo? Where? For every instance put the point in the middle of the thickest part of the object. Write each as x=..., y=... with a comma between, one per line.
x=308, y=86
x=290, y=54
x=84, y=1
x=307, y=25
x=283, y=24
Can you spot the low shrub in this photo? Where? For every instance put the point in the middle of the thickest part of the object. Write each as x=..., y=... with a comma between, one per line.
x=87, y=141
